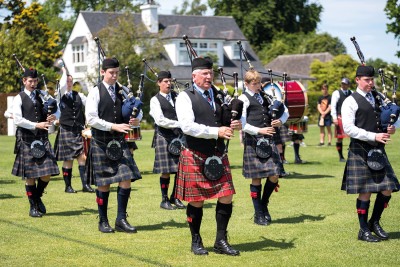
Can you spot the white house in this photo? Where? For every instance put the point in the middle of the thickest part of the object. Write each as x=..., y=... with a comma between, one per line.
x=208, y=34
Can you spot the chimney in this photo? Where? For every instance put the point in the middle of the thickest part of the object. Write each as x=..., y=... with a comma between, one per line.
x=150, y=16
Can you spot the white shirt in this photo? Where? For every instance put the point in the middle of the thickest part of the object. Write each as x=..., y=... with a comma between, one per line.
x=334, y=100
x=158, y=115
x=349, y=109
x=17, y=112
x=248, y=128
x=184, y=111
x=63, y=88
x=92, y=111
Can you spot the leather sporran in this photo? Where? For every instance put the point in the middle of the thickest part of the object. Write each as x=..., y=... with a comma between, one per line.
x=263, y=148
x=38, y=149
x=175, y=146
x=376, y=160
x=213, y=168
x=114, y=150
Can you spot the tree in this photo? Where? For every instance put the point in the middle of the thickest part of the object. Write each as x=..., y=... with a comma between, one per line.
x=261, y=20
x=196, y=8
x=104, y=5
x=392, y=10
x=25, y=34
x=331, y=72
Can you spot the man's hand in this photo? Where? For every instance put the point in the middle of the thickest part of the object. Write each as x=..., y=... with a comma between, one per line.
x=236, y=125
x=134, y=121
x=225, y=132
x=122, y=127
x=267, y=131
x=276, y=123
x=382, y=138
x=335, y=121
x=391, y=129
x=44, y=125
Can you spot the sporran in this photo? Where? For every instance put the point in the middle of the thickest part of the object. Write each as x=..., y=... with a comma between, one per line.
x=263, y=148
x=213, y=168
x=38, y=149
x=114, y=150
x=376, y=160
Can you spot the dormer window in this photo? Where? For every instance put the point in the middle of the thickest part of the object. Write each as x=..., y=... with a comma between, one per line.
x=78, y=53
x=202, y=48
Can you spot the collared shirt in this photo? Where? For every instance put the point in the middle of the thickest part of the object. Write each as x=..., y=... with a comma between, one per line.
x=64, y=90
x=349, y=109
x=250, y=129
x=334, y=100
x=184, y=111
x=158, y=115
x=201, y=91
x=92, y=111
x=17, y=113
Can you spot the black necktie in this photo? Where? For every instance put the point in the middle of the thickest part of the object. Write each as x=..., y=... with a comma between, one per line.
x=259, y=98
x=208, y=97
x=112, y=93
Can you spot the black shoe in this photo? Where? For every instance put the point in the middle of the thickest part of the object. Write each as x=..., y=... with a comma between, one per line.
x=342, y=160
x=123, y=226
x=105, y=227
x=69, y=189
x=165, y=204
x=260, y=219
x=197, y=246
x=40, y=206
x=178, y=204
x=299, y=161
x=222, y=247
x=378, y=230
x=267, y=215
x=366, y=235
x=86, y=188
x=284, y=174
x=34, y=212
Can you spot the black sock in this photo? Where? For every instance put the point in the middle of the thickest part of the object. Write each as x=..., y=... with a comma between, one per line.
x=362, y=211
x=67, y=175
x=296, y=148
x=172, y=197
x=41, y=185
x=164, y=184
x=223, y=213
x=30, y=192
x=255, y=194
x=102, y=204
x=82, y=170
x=381, y=203
x=123, y=195
x=194, y=218
x=283, y=151
x=339, y=148
x=269, y=188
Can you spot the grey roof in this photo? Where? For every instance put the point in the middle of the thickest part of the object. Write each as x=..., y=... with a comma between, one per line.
x=195, y=27
x=79, y=40
x=297, y=66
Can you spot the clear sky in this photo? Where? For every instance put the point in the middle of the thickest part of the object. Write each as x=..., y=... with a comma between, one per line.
x=363, y=19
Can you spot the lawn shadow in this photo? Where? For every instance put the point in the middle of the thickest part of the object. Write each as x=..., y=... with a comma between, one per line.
x=84, y=211
x=265, y=245
x=236, y=167
x=300, y=219
x=8, y=181
x=296, y=175
x=394, y=235
x=6, y=196
x=158, y=226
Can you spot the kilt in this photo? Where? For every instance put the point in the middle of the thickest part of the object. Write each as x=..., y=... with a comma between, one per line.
x=339, y=132
x=25, y=165
x=69, y=143
x=284, y=135
x=358, y=178
x=256, y=167
x=101, y=170
x=164, y=162
x=132, y=145
x=191, y=185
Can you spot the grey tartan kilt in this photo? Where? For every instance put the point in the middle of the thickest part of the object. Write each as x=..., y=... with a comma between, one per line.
x=68, y=144
x=255, y=167
x=284, y=135
x=358, y=178
x=164, y=162
x=25, y=165
x=101, y=170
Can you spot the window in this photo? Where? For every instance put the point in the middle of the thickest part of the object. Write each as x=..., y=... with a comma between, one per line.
x=236, y=51
x=78, y=52
x=202, y=49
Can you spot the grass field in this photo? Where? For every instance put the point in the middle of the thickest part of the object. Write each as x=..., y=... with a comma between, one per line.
x=314, y=223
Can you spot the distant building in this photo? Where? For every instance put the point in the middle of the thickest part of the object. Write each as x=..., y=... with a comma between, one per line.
x=208, y=34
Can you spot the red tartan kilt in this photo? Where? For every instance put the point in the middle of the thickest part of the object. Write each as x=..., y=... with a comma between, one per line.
x=193, y=186
x=339, y=132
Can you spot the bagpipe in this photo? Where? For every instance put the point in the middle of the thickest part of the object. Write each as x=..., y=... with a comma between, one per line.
x=131, y=105
x=49, y=103
x=390, y=111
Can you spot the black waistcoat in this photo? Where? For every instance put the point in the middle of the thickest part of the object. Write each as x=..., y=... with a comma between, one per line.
x=72, y=111
x=168, y=110
x=339, y=104
x=32, y=112
x=367, y=117
x=108, y=109
x=257, y=114
x=204, y=114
